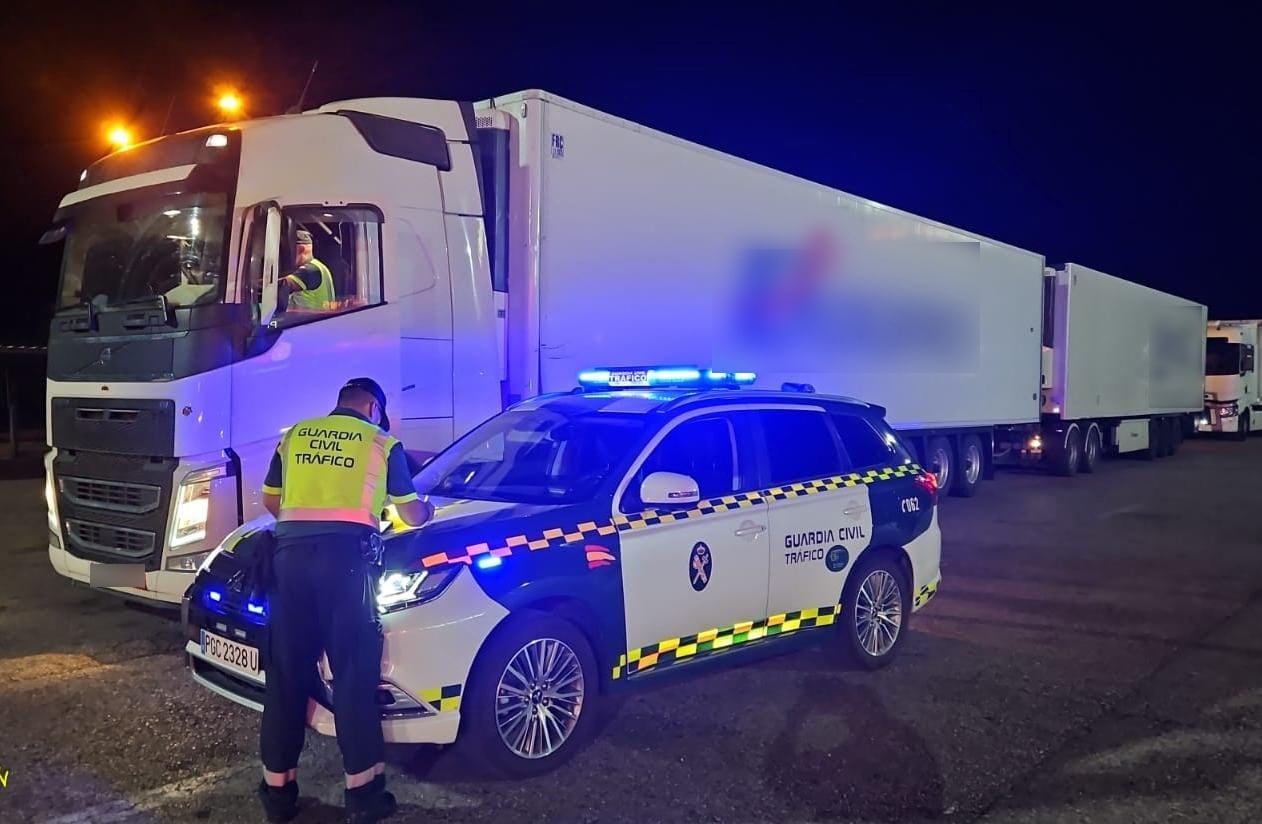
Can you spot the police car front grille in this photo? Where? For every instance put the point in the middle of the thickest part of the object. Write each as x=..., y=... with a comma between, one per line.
x=114, y=540
x=121, y=497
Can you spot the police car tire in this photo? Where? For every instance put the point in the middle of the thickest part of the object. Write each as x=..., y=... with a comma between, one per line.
x=478, y=710
x=852, y=646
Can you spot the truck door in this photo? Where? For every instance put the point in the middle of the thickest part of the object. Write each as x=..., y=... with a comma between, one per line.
x=689, y=584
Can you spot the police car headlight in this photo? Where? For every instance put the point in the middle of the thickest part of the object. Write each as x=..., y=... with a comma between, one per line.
x=397, y=590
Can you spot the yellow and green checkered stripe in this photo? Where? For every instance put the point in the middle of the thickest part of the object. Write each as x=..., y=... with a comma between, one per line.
x=674, y=650
x=558, y=537
x=443, y=699
x=925, y=594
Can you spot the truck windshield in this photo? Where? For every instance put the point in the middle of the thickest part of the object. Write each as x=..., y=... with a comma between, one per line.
x=120, y=252
x=533, y=456
x=1222, y=357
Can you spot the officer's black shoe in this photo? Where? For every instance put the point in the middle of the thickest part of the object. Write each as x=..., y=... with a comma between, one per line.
x=280, y=803
x=369, y=803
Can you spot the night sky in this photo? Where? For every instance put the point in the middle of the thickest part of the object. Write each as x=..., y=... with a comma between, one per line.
x=1126, y=143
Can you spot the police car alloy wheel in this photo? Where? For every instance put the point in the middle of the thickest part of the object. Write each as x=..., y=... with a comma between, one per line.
x=876, y=607
x=532, y=701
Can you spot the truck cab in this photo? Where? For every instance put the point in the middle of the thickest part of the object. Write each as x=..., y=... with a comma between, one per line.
x=176, y=361
x=1233, y=396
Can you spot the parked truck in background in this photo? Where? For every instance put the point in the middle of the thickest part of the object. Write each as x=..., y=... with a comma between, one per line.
x=487, y=253
x=1233, y=393
x=1122, y=372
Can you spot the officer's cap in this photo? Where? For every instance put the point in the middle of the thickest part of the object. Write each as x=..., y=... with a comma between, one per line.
x=372, y=388
x=302, y=236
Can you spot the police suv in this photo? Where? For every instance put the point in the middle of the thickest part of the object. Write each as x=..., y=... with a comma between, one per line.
x=652, y=520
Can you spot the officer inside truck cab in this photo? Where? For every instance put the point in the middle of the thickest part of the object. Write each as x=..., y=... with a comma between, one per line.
x=309, y=287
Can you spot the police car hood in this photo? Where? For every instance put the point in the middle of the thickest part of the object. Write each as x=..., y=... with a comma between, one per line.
x=462, y=529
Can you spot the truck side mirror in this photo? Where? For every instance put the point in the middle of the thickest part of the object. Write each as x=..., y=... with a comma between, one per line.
x=1247, y=361
x=271, y=266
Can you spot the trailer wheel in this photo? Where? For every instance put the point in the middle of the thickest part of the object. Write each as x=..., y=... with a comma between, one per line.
x=1176, y=429
x=1091, y=450
x=940, y=460
x=971, y=465
x=1068, y=452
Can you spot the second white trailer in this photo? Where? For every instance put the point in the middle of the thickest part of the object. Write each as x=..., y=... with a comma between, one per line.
x=1123, y=370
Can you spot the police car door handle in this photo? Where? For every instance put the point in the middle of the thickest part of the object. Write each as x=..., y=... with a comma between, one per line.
x=747, y=529
x=855, y=510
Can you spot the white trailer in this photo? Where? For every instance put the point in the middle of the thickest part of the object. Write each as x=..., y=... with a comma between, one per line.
x=481, y=254
x=1123, y=371
x=1233, y=391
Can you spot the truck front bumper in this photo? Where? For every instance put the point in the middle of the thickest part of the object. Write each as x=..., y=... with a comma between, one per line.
x=159, y=587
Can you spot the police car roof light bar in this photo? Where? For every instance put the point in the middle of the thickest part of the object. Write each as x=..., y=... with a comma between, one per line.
x=678, y=377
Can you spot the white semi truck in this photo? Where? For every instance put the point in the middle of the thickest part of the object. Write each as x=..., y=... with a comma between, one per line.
x=486, y=253
x=1233, y=392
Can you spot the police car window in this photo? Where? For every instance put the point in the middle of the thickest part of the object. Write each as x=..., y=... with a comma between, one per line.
x=705, y=449
x=800, y=446
x=337, y=271
x=867, y=447
x=533, y=456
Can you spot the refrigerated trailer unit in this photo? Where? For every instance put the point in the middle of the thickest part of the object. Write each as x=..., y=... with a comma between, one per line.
x=1233, y=392
x=1123, y=371
x=481, y=254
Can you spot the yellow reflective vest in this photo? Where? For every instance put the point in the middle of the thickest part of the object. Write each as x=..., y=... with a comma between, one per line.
x=334, y=469
x=320, y=298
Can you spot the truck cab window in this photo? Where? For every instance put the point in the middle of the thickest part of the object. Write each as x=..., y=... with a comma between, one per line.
x=331, y=263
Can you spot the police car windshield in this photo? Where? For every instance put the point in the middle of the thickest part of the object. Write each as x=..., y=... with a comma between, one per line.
x=540, y=456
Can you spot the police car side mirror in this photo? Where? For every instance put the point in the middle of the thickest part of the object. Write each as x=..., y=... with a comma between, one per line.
x=669, y=489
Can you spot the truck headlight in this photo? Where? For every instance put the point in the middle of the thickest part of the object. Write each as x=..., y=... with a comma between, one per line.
x=189, y=563
x=50, y=498
x=397, y=590
x=1230, y=411
x=192, y=507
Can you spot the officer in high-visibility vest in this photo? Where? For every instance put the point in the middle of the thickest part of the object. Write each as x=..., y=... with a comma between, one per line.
x=310, y=286
x=327, y=486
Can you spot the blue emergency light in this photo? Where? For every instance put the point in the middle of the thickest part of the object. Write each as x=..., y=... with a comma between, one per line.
x=650, y=377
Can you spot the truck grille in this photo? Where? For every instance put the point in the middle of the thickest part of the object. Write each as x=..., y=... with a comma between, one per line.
x=115, y=540
x=122, y=497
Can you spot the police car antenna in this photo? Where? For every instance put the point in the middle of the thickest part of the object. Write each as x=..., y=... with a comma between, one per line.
x=297, y=107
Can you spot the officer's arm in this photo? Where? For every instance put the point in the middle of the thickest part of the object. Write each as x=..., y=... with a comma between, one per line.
x=412, y=510
x=271, y=486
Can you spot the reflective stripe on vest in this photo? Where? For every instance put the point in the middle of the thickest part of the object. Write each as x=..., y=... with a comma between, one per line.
x=321, y=297
x=334, y=469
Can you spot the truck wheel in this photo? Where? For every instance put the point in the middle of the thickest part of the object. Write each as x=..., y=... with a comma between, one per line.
x=968, y=478
x=1091, y=450
x=1242, y=429
x=940, y=460
x=1176, y=429
x=532, y=701
x=1068, y=452
x=875, y=608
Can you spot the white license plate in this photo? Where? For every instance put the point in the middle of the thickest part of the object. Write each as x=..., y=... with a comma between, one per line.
x=639, y=377
x=240, y=657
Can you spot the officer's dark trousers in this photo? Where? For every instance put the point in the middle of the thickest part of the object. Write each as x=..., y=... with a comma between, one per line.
x=323, y=599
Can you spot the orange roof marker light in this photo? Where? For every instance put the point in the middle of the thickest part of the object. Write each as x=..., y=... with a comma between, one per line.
x=119, y=136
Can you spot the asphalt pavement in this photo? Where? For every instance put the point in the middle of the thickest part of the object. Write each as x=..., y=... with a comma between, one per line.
x=1094, y=654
